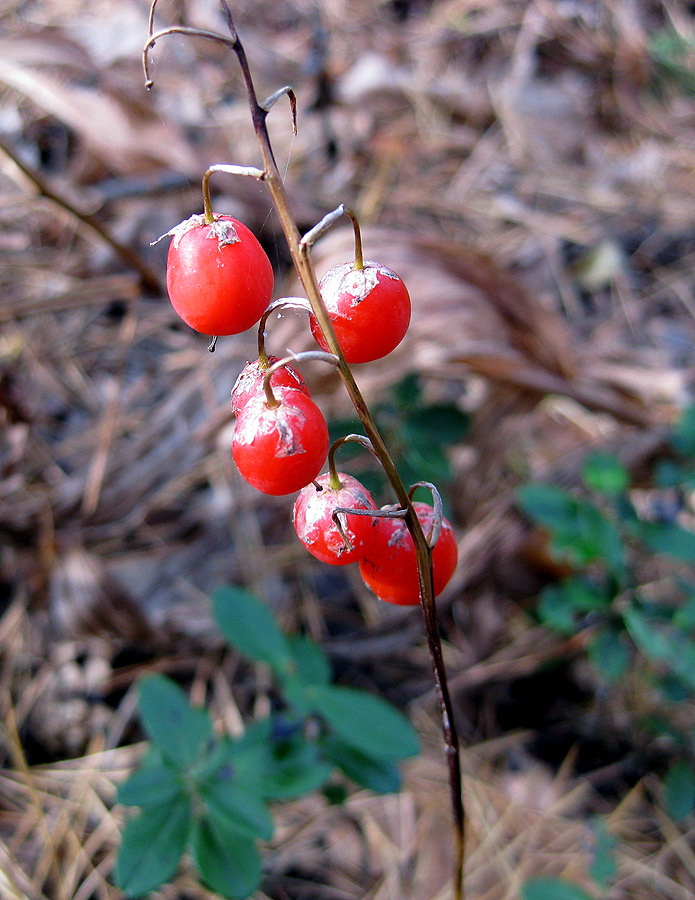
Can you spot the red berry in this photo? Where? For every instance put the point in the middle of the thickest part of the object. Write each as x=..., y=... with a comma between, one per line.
x=280, y=449
x=249, y=384
x=316, y=529
x=219, y=278
x=369, y=309
x=390, y=567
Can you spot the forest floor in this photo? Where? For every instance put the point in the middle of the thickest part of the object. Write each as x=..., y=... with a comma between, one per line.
x=528, y=169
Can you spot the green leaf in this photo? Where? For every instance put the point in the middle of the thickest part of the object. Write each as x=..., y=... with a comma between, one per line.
x=179, y=731
x=151, y=847
x=378, y=775
x=669, y=474
x=662, y=643
x=683, y=438
x=234, y=808
x=603, y=865
x=310, y=661
x=548, y=888
x=670, y=539
x=150, y=786
x=560, y=604
x=605, y=474
x=679, y=790
x=595, y=538
x=684, y=616
x=229, y=865
x=408, y=391
x=423, y=462
x=672, y=688
x=293, y=777
x=275, y=764
x=548, y=505
x=609, y=654
x=249, y=626
x=580, y=531
x=364, y=722
x=295, y=691
x=437, y=424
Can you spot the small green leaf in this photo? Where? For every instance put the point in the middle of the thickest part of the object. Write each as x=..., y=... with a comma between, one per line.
x=560, y=604
x=178, y=730
x=596, y=538
x=229, y=865
x=548, y=888
x=605, y=474
x=603, y=865
x=290, y=779
x=275, y=761
x=150, y=786
x=365, y=722
x=684, y=616
x=683, y=438
x=295, y=691
x=407, y=391
x=424, y=462
x=580, y=531
x=548, y=505
x=672, y=689
x=670, y=539
x=249, y=626
x=669, y=474
x=311, y=663
x=679, y=790
x=662, y=643
x=378, y=775
x=151, y=847
x=234, y=808
x=437, y=424
x=608, y=652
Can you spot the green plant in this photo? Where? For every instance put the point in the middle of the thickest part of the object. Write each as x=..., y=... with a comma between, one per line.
x=207, y=793
x=219, y=278
x=614, y=537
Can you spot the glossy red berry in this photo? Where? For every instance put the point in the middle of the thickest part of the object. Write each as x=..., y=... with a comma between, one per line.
x=389, y=567
x=369, y=309
x=280, y=449
x=249, y=384
x=316, y=528
x=219, y=278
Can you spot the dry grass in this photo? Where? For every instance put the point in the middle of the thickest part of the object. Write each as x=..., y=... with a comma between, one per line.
x=528, y=170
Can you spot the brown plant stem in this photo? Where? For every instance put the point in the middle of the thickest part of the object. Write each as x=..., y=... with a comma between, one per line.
x=90, y=223
x=300, y=249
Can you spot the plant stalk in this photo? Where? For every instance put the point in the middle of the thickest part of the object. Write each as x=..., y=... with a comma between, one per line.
x=305, y=270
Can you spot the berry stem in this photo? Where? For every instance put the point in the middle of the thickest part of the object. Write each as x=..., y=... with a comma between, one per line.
x=327, y=222
x=438, y=507
x=307, y=355
x=335, y=446
x=282, y=303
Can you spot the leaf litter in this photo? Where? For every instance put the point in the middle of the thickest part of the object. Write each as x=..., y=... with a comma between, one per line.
x=527, y=170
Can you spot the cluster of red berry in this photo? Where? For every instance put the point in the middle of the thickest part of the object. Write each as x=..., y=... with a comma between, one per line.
x=220, y=282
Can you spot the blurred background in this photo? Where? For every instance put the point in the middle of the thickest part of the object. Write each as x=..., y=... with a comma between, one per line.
x=527, y=168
